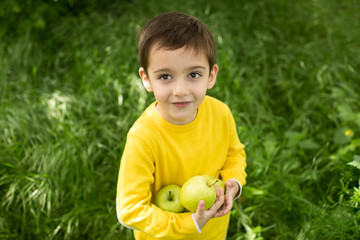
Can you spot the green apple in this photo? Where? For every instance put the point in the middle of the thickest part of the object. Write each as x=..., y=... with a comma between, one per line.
x=199, y=188
x=168, y=199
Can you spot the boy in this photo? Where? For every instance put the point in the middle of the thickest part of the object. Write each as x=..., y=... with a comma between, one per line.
x=184, y=133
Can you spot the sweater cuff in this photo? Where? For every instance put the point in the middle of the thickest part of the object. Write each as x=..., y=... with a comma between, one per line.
x=196, y=224
x=240, y=188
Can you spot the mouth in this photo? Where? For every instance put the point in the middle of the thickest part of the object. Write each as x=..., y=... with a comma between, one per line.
x=181, y=104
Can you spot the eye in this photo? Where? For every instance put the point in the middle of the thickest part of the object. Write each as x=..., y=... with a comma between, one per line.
x=165, y=77
x=194, y=75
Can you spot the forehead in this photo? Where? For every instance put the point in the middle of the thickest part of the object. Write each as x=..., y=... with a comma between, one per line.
x=160, y=54
x=155, y=47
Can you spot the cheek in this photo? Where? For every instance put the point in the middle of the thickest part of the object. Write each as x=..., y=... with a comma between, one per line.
x=201, y=90
x=160, y=94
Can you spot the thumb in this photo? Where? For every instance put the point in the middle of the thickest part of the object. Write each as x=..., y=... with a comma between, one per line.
x=232, y=188
x=229, y=184
x=201, y=207
x=200, y=214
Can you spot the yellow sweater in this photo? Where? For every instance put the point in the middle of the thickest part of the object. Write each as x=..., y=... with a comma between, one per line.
x=158, y=153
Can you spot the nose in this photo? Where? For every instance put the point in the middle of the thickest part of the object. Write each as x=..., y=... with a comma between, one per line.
x=181, y=88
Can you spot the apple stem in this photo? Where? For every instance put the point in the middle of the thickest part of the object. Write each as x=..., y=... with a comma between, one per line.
x=217, y=172
x=170, y=196
x=213, y=183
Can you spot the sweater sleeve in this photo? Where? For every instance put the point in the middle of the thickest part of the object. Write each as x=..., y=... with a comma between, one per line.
x=134, y=193
x=235, y=162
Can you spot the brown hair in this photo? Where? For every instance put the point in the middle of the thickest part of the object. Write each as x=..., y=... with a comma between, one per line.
x=174, y=30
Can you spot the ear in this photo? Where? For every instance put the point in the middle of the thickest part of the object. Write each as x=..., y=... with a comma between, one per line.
x=212, y=76
x=145, y=79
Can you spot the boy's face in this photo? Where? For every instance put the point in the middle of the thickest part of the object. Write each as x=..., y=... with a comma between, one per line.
x=179, y=80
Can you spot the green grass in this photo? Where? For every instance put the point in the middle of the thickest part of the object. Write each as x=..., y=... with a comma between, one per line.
x=69, y=92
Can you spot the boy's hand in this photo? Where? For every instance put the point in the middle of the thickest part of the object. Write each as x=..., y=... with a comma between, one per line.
x=202, y=216
x=232, y=189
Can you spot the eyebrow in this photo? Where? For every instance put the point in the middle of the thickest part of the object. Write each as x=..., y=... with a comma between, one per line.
x=168, y=69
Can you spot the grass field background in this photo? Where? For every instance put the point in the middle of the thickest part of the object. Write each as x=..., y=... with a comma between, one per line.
x=69, y=91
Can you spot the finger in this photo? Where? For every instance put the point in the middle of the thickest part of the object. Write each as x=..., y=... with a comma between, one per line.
x=232, y=186
x=201, y=207
x=220, y=194
x=220, y=212
x=223, y=209
x=228, y=204
x=219, y=200
x=219, y=191
x=229, y=183
x=216, y=190
x=200, y=214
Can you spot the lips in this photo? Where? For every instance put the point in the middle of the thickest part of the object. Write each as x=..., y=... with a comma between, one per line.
x=181, y=104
